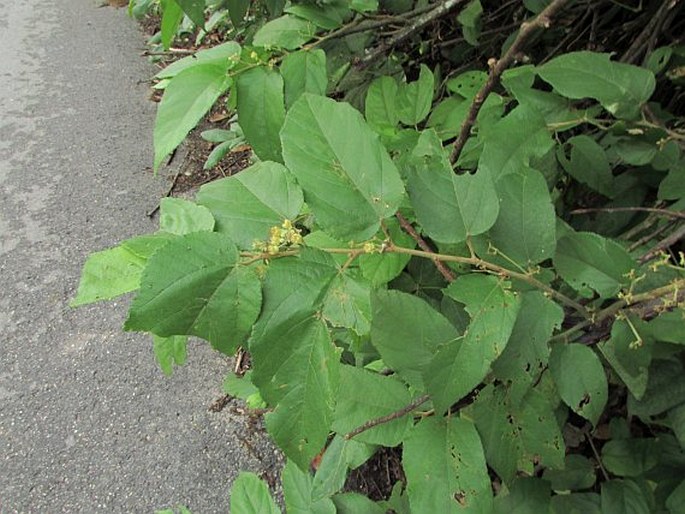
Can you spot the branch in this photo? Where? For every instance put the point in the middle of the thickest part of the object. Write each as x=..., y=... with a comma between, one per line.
x=389, y=417
x=420, y=23
x=444, y=270
x=639, y=44
x=663, y=212
x=670, y=240
x=542, y=20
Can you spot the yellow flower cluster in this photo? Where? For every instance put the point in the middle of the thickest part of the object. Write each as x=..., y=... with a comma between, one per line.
x=280, y=238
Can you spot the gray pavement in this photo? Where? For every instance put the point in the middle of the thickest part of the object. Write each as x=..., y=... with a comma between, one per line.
x=88, y=423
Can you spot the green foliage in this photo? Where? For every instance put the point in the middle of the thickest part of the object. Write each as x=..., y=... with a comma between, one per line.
x=509, y=324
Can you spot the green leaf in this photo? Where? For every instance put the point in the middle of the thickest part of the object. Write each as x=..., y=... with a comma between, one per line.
x=116, y=271
x=577, y=503
x=349, y=181
x=589, y=165
x=195, y=10
x=414, y=99
x=578, y=473
x=304, y=72
x=445, y=467
x=225, y=54
x=676, y=499
x=288, y=32
x=172, y=14
x=580, y=379
x=237, y=9
x=348, y=303
x=514, y=142
x=381, y=268
x=329, y=15
x=248, y=204
x=297, y=488
x=178, y=216
x=218, y=135
x=364, y=396
x=527, y=352
x=470, y=20
x=192, y=287
x=630, y=457
x=381, y=103
x=402, y=321
x=250, y=495
x=672, y=187
x=587, y=260
x=340, y=455
x=623, y=497
x=629, y=356
x=622, y=89
x=668, y=327
x=354, y=503
x=449, y=207
x=240, y=387
x=516, y=436
x=261, y=110
x=526, y=495
x=665, y=389
x=296, y=365
x=676, y=420
x=460, y=365
x=218, y=153
x=169, y=351
x=525, y=230
x=187, y=98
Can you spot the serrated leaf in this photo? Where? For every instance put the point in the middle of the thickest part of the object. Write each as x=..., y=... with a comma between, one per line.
x=401, y=321
x=527, y=352
x=349, y=181
x=623, y=496
x=225, y=54
x=621, y=88
x=445, y=467
x=288, y=32
x=178, y=216
x=169, y=351
x=248, y=204
x=578, y=473
x=116, y=271
x=195, y=10
x=297, y=489
x=187, y=98
x=589, y=165
x=525, y=230
x=580, y=379
x=172, y=14
x=629, y=357
x=517, y=436
x=296, y=365
x=304, y=72
x=514, y=141
x=261, y=110
x=414, y=99
x=448, y=207
x=192, y=286
x=250, y=495
x=364, y=396
x=381, y=103
x=460, y=365
x=587, y=260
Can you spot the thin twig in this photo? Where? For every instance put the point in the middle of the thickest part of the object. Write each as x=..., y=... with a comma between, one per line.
x=663, y=212
x=420, y=22
x=389, y=417
x=542, y=20
x=638, y=46
x=652, y=235
x=670, y=240
x=588, y=436
x=407, y=227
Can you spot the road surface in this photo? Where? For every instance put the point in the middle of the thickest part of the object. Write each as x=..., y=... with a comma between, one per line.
x=88, y=423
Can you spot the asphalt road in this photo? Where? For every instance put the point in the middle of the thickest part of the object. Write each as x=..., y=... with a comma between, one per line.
x=88, y=423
